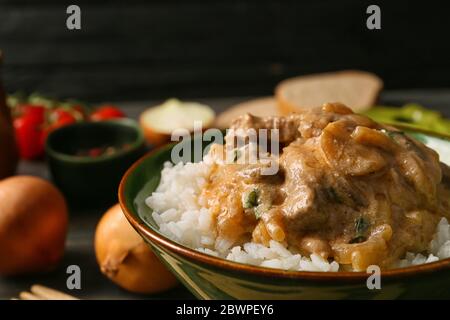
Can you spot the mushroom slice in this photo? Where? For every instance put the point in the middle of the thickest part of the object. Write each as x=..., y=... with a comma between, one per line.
x=346, y=155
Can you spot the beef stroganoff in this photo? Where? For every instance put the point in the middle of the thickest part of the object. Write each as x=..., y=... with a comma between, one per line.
x=348, y=193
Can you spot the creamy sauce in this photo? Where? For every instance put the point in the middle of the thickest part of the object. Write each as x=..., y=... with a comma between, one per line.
x=347, y=188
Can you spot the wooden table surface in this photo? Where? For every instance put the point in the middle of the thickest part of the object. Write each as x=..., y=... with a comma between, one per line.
x=79, y=245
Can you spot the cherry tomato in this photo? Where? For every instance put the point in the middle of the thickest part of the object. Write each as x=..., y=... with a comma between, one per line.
x=61, y=117
x=29, y=131
x=29, y=110
x=106, y=112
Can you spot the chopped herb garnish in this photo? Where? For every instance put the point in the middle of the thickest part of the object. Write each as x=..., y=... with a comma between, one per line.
x=251, y=200
x=333, y=195
x=361, y=227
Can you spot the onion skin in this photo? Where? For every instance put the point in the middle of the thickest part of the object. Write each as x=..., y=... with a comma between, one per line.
x=126, y=259
x=33, y=225
x=153, y=137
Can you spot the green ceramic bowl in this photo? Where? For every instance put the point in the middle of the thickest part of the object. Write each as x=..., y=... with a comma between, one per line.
x=209, y=277
x=93, y=181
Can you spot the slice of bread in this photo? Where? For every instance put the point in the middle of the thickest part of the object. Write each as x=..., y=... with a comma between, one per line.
x=260, y=107
x=357, y=89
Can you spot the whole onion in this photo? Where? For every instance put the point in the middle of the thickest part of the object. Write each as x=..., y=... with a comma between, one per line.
x=33, y=225
x=126, y=259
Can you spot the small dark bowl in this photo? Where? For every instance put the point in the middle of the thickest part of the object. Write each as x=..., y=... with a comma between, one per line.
x=92, y=181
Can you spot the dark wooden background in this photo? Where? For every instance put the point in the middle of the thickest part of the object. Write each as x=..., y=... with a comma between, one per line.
x=146, y=50
x=141, y=49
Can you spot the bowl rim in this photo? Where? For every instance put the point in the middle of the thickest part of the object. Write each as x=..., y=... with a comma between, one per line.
x=149, y=233
x=125, y=122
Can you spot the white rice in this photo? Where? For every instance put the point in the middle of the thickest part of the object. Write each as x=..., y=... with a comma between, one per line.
x=181, y=217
